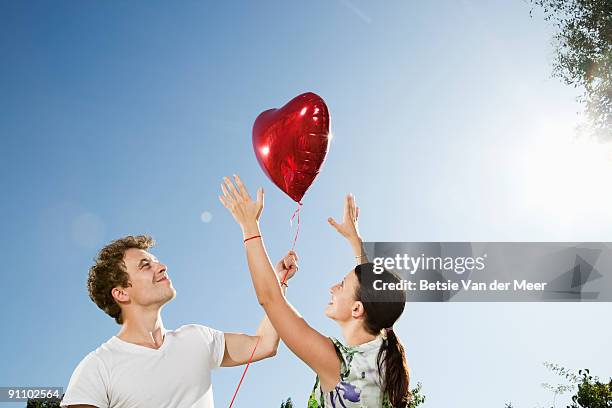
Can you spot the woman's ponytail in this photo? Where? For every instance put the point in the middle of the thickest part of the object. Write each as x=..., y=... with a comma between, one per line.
x=382, y=309
x=393, y=369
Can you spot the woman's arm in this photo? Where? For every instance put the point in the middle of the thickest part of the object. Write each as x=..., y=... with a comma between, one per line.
x=316, y=350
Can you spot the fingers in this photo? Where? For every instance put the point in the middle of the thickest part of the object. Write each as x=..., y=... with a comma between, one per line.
x=226, y=199
x=241, y=187
x=224, y=202
x=290, y=264
x=333, y=223
x=352, y=211
x=230, y=192
x=235, y=194
x=260, y=201
x=347, y=211
x=290, y=259
x=292, y=267
x=293, y=254
x=225, y=192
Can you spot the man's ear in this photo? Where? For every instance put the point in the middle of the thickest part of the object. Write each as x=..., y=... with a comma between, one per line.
x=120, y=294
x=357, y=310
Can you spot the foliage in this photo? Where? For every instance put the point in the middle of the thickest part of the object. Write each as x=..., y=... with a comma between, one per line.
x=583, y=57
x=287, y=404
x=44, y=402
x=417, y=396
x=592, y=393
x=560, y=389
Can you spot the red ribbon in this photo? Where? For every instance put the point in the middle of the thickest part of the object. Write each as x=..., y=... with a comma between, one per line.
x=297, y=232
x=244, y=372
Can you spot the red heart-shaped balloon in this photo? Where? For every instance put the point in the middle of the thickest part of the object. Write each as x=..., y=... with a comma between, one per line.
x=291, y=143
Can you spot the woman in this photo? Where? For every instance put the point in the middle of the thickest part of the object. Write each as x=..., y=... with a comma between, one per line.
x=369, y=369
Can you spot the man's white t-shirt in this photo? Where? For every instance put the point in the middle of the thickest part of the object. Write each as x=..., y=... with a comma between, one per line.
x=119, y=374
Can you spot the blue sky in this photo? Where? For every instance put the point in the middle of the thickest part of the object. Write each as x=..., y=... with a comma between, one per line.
x=121, y=118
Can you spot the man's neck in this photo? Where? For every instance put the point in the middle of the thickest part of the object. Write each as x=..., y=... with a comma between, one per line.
x=143, y=327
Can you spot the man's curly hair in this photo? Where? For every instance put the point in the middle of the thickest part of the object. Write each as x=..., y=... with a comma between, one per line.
x=109, y=271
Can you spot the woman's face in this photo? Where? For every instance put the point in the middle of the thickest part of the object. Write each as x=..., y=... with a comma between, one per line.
x=342, y=304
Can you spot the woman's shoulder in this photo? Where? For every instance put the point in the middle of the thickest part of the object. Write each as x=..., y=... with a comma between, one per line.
x=359, y=362
x=364, y=348
x=360, y=382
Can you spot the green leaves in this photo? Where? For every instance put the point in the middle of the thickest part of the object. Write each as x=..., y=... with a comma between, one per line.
x=287, y=404
x=417, y=396
x=44, y=402
x=592, y=393
x=583, y=56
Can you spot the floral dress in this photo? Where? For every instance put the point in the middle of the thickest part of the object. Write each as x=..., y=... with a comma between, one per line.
x=360, y=384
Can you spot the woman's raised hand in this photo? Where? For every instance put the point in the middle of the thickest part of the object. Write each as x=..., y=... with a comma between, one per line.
x=349, y=227
x=239, y=203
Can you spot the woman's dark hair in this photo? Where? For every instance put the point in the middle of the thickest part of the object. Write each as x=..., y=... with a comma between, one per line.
x=382, y=309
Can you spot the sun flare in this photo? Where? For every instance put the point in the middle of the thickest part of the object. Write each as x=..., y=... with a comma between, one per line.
x=565, y=175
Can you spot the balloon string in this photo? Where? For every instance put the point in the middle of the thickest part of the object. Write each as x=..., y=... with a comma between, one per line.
x=244, y=372
x=297, y=232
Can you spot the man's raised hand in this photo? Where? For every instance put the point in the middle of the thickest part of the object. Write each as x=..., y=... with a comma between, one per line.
x=287, y=266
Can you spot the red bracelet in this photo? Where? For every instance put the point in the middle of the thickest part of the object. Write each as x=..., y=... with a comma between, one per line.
x=256, y=236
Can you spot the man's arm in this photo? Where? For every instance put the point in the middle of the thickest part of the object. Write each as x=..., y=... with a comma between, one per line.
x=239, y=347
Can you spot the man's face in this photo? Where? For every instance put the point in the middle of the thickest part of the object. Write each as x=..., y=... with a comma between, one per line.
x=149, y=279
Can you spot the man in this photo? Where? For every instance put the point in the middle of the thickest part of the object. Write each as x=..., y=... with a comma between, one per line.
x=145, y=365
